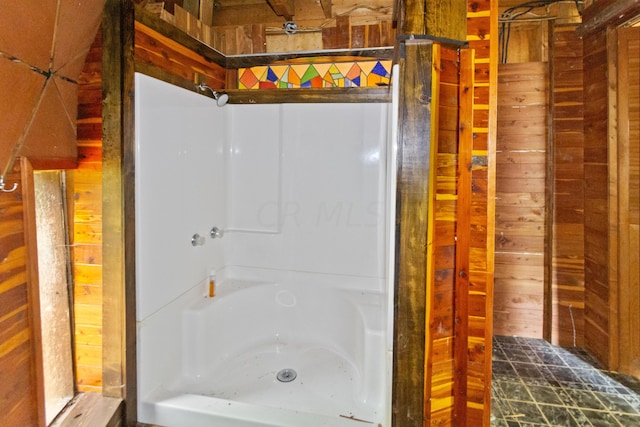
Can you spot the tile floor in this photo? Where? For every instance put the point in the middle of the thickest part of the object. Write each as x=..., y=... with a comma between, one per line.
x=537, y=384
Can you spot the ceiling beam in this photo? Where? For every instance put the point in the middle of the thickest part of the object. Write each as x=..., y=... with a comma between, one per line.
x=326, y=8
x=284, y=8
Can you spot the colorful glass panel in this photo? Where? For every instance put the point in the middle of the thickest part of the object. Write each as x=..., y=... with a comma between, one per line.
x=316, y=75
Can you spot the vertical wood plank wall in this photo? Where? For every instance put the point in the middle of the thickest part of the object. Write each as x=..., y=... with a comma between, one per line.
x=20, y=403
x=567, y=156
x=520, y=194
x=624, y=176
x=85, y=210
x=443, y=197
x=596, y=194
x=482, y=35
x=462, y=293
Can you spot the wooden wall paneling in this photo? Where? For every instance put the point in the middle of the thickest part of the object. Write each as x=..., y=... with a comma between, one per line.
x=611, y=276
x=482, y=36
x=626, y=177
x=596, y=187
x=442, y=262
x=414, y=154
x=463, y=235
x=158, y=56
x=21, y=388
x=118, y=239
x=520, y=174
x=84, y=185
x=565, y=247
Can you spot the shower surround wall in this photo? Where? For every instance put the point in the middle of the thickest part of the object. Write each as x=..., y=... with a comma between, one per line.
x=299, y=189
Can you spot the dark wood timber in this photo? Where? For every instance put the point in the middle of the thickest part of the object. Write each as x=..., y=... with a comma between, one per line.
x=245, y=61
x=328, y=95
x=604, y=13
x=440, y=18
x=414, y=153
x=119, y=337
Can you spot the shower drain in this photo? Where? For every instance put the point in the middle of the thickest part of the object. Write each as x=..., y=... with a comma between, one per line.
x=286, y=375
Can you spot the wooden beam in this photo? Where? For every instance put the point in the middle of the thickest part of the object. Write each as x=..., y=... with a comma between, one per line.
x=328, y=95
x=414, y=170
x=326, y=7
x=345, y=55
x=604, y=13
x=119, y=326
x=284, y=8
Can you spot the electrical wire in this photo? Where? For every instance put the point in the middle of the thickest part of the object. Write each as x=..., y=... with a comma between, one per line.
x=512, y=14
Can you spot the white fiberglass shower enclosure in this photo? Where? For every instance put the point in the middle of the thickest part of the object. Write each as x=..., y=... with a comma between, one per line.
x=298, y=331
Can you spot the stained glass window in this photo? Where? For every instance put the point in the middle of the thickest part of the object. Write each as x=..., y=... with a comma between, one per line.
x=316, y=75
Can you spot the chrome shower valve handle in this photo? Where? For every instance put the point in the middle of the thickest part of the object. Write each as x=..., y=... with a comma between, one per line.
x=217, y=233
x=197, y=240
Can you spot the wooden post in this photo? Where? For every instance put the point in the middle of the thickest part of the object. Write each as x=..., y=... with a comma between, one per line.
x=414, y=153
x=119, y=327
x=438, y=18
x=415, y=193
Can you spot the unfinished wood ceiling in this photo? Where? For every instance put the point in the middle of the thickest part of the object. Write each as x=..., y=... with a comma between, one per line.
x=303, y=12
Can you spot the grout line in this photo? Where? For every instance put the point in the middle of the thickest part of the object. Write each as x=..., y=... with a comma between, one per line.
x=573, y=364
